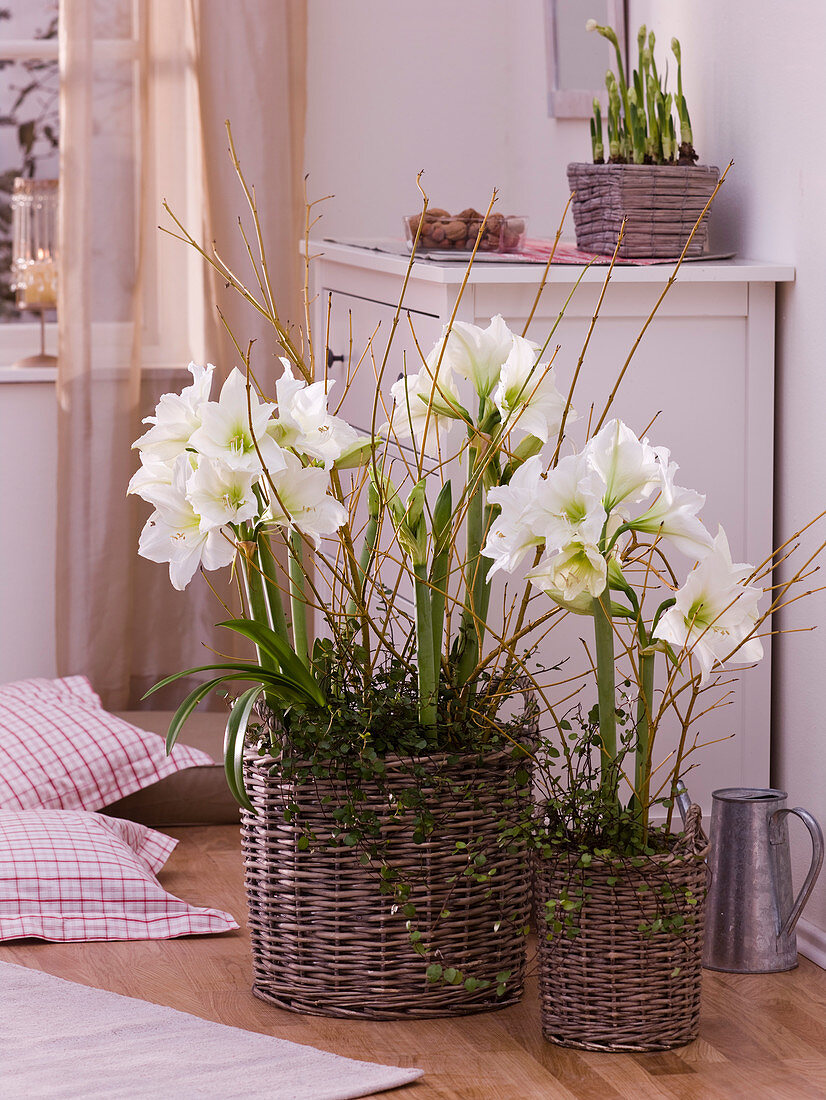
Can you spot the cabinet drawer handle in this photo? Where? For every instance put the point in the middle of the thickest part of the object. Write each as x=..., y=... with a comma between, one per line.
x=333, y=358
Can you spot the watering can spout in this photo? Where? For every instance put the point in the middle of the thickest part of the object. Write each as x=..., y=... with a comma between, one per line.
x=682, y=800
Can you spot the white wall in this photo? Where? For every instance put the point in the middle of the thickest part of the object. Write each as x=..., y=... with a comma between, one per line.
x=458, y=88
x=454, y=87
x=753, y=75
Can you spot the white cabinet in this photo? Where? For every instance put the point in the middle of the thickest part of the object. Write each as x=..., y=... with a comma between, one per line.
x=702, y=378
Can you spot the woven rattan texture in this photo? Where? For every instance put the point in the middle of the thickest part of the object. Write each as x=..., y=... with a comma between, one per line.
x=611, y=987
x=660, y=202
x=325, y=940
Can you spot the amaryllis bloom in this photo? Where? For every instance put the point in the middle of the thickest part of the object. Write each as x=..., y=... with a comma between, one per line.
x=173, y=532
x=221, y=495
x=629, y=467
x=527, y=395
x=305, y=425
x=232, y=425
x=673, y=516
x=177, y=416
x=569, y=507
x=151, y=472
x=715, y=612
x=515, y=530
x=553, y=509
x=425, y=407
x=574, y=573
x=300, y=499
x=475, y=353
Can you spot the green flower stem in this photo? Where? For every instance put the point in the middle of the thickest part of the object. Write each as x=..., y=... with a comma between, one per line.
x=269, y=569
x=439, y=577
x=298, y=602
x=611, y=35
x=469, y=655
x=255, y=595
x=425, y=650
x=368, y=551
x=606, y=693
x=645, y=703
x=482, y=584
x=597, y=147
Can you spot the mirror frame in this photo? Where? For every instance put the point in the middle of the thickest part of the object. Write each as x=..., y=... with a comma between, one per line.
x=579, y=102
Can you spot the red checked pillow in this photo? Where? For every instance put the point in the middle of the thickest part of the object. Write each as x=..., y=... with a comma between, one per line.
x=60, y=749
x=69, y=875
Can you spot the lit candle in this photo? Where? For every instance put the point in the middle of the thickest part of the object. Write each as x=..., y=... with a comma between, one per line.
x=38, y=284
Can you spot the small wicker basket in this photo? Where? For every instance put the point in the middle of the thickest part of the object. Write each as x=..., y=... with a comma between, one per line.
x=661, y=204
x=613, y=986
x=326, y=941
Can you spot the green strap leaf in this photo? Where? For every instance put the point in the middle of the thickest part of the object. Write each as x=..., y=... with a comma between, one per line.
x=271, y=643
x=280, y=685
x=236, y=667
x=284, y=689
x=234, y=745
x=186, y=708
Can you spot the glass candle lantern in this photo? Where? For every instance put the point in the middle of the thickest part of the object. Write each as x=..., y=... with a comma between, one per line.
x=34, y=243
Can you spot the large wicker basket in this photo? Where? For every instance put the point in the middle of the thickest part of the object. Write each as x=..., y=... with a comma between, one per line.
x=326, y=941
x=614, y=985
x=661, y=204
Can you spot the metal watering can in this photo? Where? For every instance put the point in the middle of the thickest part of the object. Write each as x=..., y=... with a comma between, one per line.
x=751, y=911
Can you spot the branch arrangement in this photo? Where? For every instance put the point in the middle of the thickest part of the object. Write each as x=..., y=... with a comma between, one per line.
x=391, y=541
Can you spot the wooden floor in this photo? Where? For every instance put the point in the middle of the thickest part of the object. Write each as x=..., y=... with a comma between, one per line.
x=761, y=1037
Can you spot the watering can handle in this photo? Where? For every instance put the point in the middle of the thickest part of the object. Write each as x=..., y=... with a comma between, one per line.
x=814, y=869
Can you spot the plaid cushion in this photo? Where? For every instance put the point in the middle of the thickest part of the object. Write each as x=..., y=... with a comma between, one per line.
x=60, y=749
x=69, y=875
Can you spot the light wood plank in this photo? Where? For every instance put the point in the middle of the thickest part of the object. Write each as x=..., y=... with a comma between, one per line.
x=761, y=1035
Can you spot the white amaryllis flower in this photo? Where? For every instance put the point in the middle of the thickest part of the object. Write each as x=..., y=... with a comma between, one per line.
x=232, y=425
x=515, y=530
x=715, y=611
x=629, y=467
x=569, y=505
x=574, y=573
x=300, y=499
x=150, y=473
x=554, y=510
x=177, y=416
x=527, y=395
x=425, y=407
x=305, y=425
x=173, y=532
x=673, y=516
x=221, y=495
x=475, y=353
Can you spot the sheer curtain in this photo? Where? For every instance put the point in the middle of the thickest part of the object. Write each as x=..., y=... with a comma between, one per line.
x=131, y=310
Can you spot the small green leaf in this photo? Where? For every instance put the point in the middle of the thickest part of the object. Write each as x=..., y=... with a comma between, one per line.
x=434, y=972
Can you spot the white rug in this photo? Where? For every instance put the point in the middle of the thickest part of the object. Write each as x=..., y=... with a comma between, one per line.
x=60, y=1039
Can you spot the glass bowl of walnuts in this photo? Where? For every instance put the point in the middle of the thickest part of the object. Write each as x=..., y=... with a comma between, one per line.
x=444, y=232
